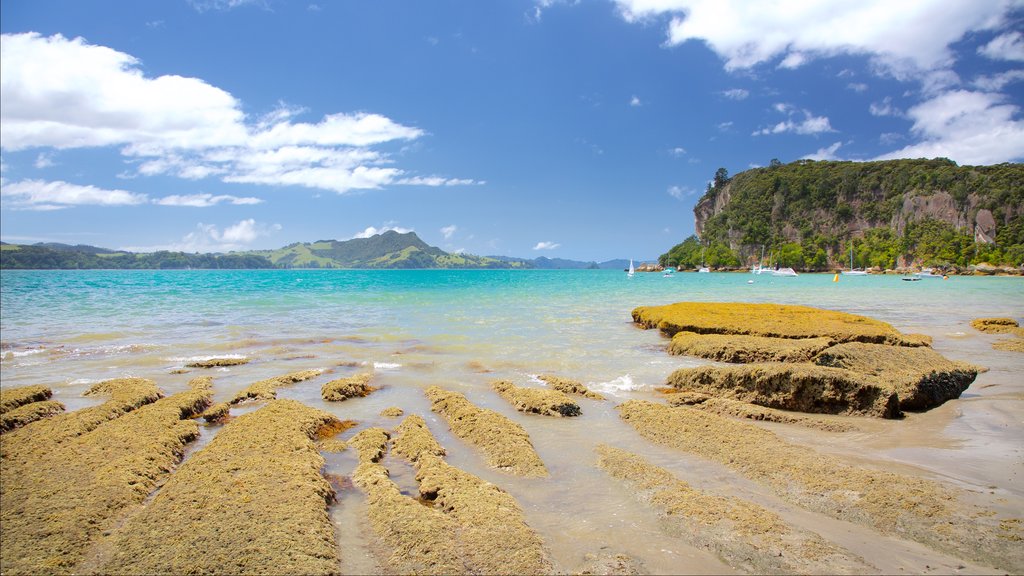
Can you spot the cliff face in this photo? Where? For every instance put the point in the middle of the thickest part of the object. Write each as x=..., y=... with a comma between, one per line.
x=830, y=204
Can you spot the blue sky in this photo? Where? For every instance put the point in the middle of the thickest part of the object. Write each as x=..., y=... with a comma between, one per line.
x=582, y=130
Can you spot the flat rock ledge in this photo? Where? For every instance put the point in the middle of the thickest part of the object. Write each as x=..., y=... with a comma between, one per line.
x=21, y=406
x=344, y=388
x=217, y=362
x=806, y=359
x=995, y=325
x=743, y=534
x=505, y=444
x=459, y=524
x=536, y=400
x=569, y=386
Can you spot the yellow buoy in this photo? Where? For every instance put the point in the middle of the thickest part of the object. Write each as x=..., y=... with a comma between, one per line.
x=836, y=279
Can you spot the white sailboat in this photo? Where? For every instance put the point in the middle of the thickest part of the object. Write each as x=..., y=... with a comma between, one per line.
x=851, y=271
x=784, y=272
x=760, y=268
x=703, y=268
x=631, y=269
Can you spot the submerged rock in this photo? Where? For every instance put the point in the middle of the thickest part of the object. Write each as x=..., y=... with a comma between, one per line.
x=743, y=534
x=252, y=501
x=392, y=412
x=567, y=386
x=537, y=400
x=891, y=503
x=505, y=444
x=738, y=348
x=345, y=388
x=1009, y=345
x=771, y=320
x=799, y=387
x=217, y=363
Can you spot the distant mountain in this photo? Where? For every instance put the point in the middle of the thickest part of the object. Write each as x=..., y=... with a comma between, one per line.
x=388, y=250
x=545, y=263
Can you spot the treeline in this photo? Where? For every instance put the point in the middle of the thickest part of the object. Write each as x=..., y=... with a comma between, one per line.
x=44, y=258
x=808, y=215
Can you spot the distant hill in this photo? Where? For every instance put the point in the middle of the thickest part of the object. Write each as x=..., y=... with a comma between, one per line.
x=545, y=263
x=82, y=257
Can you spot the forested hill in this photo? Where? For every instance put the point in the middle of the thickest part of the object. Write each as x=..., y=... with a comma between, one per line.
x=893, y=213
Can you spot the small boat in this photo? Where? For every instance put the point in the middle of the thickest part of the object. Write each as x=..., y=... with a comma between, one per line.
x=851, y=271
x=703, y=267
x=787, y=272
x=928, y=273
x=704, y=270
x=914, y=278
x=669, y=272
x=760, y=268
x=631, y=269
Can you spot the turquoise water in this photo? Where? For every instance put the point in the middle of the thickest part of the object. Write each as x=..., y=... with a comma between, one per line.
x=464, y=329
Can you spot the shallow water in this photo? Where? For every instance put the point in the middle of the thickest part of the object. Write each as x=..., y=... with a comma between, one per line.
x=463, y=329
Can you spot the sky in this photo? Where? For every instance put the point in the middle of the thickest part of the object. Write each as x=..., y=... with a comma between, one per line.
x=572, y=129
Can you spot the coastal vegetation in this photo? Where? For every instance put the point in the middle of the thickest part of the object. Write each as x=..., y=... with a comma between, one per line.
x=810, y=215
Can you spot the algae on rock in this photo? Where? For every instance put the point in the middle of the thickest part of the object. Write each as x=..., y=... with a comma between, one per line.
x=15, y=397
x=267, y=389
x=738, y=348
x=217, y=363
x=745, y=535
x=28, y=413
x=892, y=503
x=568, y=386
x=537, y=400
x=67, y=478
x=506, y=444
x=345, y=388
x=252, y=501
x=995, y=325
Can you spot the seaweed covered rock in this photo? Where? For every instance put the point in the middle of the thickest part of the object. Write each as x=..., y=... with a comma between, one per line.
x=742, y=533
x=392, y=412
x=252, y=501
x=921, y=377
x=345, y=388
x=771, y=320
x=568, y=386
x=267, y=389
x=11, y=398
x=537, y=400
x=738, y=348
x=504, y=443
x=217, y=413
x=995, y=325
x=415, y=440
x=217, y=362
x=891, y=503
x=799, y=387
x=737, y=409
x=67, y=478
x=28, y=413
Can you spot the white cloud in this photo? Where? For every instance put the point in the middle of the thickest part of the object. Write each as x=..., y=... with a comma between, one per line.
x=997, y=82
x=884, y=108
x=208, y=238
x=828, y=153
x=222, y=5
x=55, y=195
x=204, y=200
x=62, y=93
x=1008, y=46
x=677, y=151
x=546, y=246
x=902, y=37
x=388, y=226
x=967, y=127
x=635, y=101
x=437, y=181
x=810, y=124
x=680, y=192
x=736, y=94
x=857, y=86
x=449, y=231
x=43, y=160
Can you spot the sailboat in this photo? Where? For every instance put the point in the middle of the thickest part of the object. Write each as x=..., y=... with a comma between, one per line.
x=760, y=268
x=703, y=268
x=631, y=269
x=851, y=271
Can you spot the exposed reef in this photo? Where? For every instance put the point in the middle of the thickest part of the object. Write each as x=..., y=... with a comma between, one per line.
x=995, y=325
x=891, y=503
x=505, y=444
x=15, y=397
x=536, y=400
x=569, y=386
x=345, y=388
x=28, y=413
x=260, y=480
x=727, y=407
x=267, y=389
x=67, y=478
x=745, y=535
x=737, y=348
x=392, y=412
x=771, y=320
x=217, y=362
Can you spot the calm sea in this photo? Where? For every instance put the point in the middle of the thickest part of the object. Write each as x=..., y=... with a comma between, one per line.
x=462, y=330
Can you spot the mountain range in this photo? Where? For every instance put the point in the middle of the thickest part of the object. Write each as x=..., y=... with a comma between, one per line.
x=387, y=250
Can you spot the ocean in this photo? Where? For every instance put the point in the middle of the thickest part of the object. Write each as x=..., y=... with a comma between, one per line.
x=462, y=329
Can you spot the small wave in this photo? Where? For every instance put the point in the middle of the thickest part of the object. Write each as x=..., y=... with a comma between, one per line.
x=21, y=353
x=386, y=366
x=184, y=359
x=83, y=382
x=618, y=385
